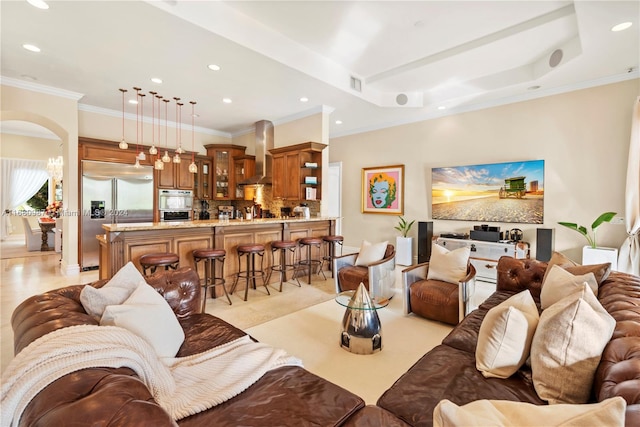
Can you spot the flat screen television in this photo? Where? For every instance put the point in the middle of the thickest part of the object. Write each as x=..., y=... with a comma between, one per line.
x=495, y=192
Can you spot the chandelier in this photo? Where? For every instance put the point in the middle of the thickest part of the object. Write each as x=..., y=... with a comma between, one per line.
x=154, y=150
x=54, y=167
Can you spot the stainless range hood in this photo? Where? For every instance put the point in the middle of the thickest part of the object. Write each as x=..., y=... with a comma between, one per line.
x=264, y=143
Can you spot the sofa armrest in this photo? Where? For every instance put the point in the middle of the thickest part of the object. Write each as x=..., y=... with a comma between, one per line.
x=411, y=275
x=338, y=263
x=466, y=289
x=382, y=276
x=517, y=275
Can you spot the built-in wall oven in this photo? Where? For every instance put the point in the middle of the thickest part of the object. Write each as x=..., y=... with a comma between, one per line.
x=175, y=205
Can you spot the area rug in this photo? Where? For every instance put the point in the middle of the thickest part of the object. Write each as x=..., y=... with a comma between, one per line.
x=313, y=335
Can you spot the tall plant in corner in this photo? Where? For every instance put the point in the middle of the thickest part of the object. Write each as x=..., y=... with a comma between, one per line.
x=591, y=239
x=404, y=244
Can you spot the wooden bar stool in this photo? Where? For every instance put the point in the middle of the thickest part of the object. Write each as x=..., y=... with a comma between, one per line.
x=249, y=251
x=212, y=258
x=330, y=243
x=159, y=259
x=309, y=243
x=283, y=248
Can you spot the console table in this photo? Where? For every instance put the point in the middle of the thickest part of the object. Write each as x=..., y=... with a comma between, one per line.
x=485, y=255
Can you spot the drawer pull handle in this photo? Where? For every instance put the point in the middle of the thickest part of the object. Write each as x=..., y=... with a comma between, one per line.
x=490, y=266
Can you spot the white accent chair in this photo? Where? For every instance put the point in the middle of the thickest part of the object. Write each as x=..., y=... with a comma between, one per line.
x=58, y=235
x=33, y=236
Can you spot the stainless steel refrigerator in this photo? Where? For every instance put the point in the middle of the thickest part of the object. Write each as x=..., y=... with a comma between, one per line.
x=112, y=193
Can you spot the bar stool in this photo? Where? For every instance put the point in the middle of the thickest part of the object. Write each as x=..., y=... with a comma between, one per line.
x=330, y=243
x=159, y=259
x=211, y=258
x=283, y=247
x=250, y=251
x=310, y=242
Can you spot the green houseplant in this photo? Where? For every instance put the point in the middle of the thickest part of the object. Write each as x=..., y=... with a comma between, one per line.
x=404, y=244
x=591, y=239
x=404, y=226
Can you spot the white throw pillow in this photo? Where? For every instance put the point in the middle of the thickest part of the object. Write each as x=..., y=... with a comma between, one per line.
x=567, y=347
x=609, y=412
x=559, y=283
x=370, y=253
x=148, y=315
x=115, y=291
x=505, y=336
x=448, y=266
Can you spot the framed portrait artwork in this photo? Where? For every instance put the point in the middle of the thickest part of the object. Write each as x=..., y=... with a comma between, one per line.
x=383, y=190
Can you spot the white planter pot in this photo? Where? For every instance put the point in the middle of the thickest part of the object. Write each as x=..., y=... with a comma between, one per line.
x=404, y=250
x=599, y=256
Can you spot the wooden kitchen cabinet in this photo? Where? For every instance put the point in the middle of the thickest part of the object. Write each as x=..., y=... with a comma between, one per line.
x=202, y=180
x=297, y=171
x=244, y=168
x=176, y=175
x=223, y=176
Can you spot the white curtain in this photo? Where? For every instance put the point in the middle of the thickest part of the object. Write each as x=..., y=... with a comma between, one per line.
x=629, y=255
x=21, y=179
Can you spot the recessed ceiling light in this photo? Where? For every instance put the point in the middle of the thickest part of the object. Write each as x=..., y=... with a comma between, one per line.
x=338, y=122
x=31, y=47
x=195, y=115
x=156, y=80
x=40, y=4
x=28, y=77
x=213, y=67
x=442, y=107
x=227, y=100
x=133, y=101
x=622, y=26
x=304, y=99
x=535, y=87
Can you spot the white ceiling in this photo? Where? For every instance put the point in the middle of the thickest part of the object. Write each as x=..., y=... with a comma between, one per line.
x=410, y=57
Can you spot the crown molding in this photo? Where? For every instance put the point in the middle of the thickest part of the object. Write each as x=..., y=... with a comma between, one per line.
x=40, y=88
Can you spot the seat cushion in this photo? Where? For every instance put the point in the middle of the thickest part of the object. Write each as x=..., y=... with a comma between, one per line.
x=351, y=277
x=435, y=300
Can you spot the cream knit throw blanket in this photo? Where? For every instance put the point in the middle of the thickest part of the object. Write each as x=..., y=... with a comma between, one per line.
x=182, y=386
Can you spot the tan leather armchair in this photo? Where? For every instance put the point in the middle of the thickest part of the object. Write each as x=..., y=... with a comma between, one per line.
x=435, y=299
x=378, y=277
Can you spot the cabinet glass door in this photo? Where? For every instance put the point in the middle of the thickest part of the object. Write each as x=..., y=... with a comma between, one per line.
x=222, y=160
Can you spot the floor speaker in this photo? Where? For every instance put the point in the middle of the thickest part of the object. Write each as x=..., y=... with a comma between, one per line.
x=545, y=243
x=425, y=236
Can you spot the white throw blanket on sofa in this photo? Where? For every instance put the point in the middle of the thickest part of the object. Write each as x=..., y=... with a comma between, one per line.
x=182, y=386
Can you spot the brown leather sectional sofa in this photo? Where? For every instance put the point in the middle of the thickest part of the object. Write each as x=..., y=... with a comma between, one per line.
x=292, y=396
x=449, y=372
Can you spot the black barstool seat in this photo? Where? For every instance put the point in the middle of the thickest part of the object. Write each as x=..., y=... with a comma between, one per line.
x=211, y=258
x=159, y=259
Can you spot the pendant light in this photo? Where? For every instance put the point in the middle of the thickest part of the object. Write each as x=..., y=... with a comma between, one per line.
x=137, y=163
x=192, y=167
x=153, y=150
x=158, y=164
x=176, y=156
x=165, y=157
x=141, y=155
x=123, y=144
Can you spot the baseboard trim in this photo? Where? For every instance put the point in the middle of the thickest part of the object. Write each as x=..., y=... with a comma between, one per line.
x=69, y=269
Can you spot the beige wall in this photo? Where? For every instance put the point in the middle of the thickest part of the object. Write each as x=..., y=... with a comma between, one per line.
x=99, y=126
x=60, y=115
x=298, y=131
x=582, y=136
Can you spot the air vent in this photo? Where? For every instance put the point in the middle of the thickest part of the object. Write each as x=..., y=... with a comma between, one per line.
x=555, y=58
x=356, y=84
x=402, y=99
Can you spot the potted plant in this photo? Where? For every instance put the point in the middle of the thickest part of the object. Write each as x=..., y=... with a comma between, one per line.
x=593, y=254
x=404, y=244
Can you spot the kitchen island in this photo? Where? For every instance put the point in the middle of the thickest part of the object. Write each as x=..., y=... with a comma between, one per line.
x=122, y=243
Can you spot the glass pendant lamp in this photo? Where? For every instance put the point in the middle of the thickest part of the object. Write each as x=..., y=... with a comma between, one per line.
x=153, y=150
x=193, y=168
x=123, y=144
x=166, y=158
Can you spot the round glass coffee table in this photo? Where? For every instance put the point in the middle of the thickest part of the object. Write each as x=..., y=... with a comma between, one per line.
x=361, y=328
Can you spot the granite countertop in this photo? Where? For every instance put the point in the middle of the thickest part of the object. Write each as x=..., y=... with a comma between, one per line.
x=140, y=226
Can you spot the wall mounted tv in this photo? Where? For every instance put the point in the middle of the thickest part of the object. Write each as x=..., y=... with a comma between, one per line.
x=496, y=192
